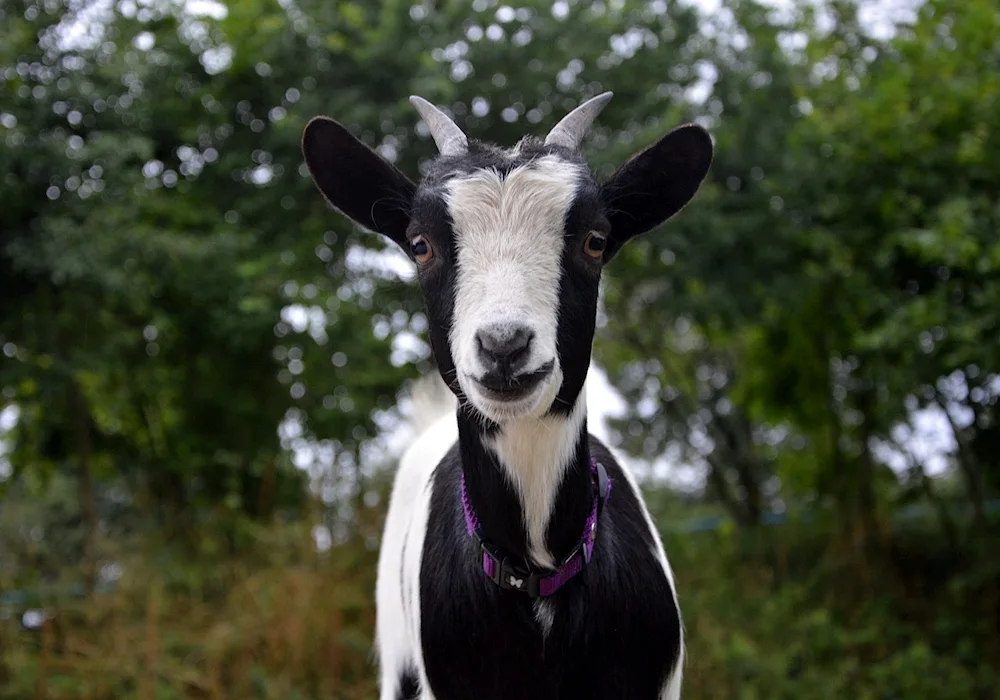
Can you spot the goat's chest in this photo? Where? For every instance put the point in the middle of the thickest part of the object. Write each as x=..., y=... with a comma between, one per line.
x=612, y=632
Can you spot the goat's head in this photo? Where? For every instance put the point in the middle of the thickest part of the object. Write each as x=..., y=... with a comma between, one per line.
x=509, y=243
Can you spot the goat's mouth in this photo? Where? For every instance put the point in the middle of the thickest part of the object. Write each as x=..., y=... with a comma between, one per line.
x=504, y=388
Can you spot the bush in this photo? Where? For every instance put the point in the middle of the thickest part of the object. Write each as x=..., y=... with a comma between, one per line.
x=768, y=617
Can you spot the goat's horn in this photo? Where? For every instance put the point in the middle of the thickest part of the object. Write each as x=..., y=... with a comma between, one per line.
x=569, y=132
x=449, y=138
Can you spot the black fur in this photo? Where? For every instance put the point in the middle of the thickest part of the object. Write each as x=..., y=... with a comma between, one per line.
x=578, y=288
x=655, y=184
x=354, y=179
x=409, y=686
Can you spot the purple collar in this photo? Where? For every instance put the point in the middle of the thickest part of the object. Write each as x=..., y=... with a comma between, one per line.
x=507, y=575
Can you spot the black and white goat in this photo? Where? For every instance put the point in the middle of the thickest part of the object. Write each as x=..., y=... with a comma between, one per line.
x=518, y=559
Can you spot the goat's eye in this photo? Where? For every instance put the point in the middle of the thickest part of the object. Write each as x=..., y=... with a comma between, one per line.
x=421, y=249
x=595, y=244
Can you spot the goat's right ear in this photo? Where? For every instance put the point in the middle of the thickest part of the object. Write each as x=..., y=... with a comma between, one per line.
x=356, y=180
x=656, y=183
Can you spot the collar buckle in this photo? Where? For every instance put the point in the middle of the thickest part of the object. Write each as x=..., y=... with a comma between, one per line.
x=504, y=572
x=513, y=577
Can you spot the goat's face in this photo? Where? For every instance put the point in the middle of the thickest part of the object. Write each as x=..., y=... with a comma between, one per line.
x=509, y=244
x=510, y=271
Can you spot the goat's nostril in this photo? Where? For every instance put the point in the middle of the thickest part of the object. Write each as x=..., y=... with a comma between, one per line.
x=505, y=346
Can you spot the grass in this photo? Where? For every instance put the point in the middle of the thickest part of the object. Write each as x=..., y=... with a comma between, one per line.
x=773, y=616
x=297, y=626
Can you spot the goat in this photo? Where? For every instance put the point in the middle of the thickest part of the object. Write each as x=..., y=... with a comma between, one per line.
x=518, y=558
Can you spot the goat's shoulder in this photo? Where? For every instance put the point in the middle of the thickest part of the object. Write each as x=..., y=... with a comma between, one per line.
x=626, y=505
x=632, y=533
x=626, y=614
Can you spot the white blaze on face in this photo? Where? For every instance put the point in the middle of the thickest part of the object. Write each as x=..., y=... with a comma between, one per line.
x=509, y=237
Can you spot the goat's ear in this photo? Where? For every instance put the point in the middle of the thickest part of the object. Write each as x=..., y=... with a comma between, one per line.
x=356, y=180
x=655, y=184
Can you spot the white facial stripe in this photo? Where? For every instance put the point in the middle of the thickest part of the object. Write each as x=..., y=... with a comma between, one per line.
x=509, y=236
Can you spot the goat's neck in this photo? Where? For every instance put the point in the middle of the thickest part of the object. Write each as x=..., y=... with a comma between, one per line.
x=530, y=482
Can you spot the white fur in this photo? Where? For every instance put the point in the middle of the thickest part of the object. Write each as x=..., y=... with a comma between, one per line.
x=545, y=615
x=534, y=451
x=509, y=237
x=398, y=634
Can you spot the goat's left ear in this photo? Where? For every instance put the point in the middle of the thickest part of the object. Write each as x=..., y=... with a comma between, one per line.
x=655, y=184
x=357, y=180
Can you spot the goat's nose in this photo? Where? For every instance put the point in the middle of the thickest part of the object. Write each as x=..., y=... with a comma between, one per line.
x=504, y=347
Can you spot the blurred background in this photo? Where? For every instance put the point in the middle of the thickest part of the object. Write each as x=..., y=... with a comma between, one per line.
x=203, y=368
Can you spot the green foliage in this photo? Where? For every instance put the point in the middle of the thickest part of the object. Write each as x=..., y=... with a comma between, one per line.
x=836, y=274
x=786, y=624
